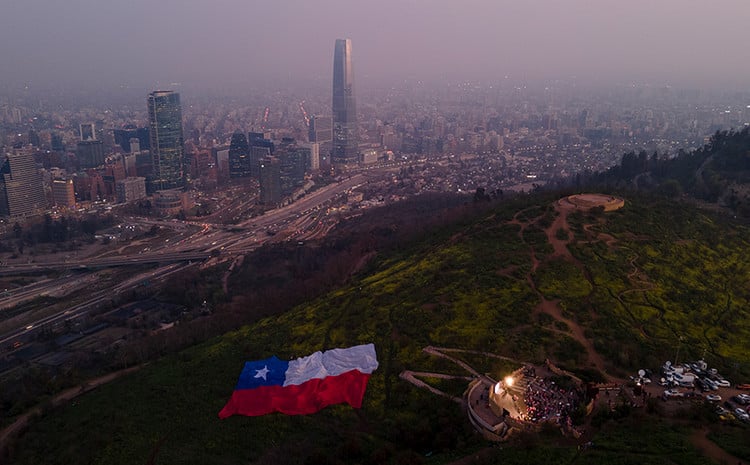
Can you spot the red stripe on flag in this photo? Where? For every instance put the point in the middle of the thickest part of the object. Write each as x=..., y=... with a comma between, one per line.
x=308, y=397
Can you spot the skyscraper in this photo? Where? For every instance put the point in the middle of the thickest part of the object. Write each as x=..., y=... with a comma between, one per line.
x=165, y=131
x=21, y=189
x=270, y=181
x=260, y=147
x=239, y=156
x=345, y=147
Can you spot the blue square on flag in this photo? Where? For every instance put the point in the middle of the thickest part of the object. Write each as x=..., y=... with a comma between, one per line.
x=268, y=372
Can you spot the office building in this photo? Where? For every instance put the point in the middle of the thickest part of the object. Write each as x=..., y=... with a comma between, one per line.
x=130, y=189
x=63, y=193
x=166, y=140
x=90, y=153
x=270, y=181
x=171, y=202
x=124, y=138
x=87, y=131
x=320, y=129
x=292, y=168
x=345, y=147
x=260, y=146
x=34, y=138
x=221, y=154
x=314, y=157
x=239, y=157
x=56, y=142
x=21, y=189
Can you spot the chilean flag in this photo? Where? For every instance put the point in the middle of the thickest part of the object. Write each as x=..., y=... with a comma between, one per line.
x=304, y=385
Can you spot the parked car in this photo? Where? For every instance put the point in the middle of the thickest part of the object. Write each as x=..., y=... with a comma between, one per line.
x=713, y=398
x=741, y=414
x=669, y=393
x=722, y=383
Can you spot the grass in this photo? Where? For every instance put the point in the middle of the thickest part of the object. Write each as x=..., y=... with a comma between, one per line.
x=463, y=288
x=734, y=438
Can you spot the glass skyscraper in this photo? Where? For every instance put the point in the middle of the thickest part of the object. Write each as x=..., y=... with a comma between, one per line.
x=345, y=147
x=165, y=137
x=239, y=157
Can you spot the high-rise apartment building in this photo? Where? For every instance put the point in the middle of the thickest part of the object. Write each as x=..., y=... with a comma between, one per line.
x=166, y=140
x=21, y=189
x=345, y=146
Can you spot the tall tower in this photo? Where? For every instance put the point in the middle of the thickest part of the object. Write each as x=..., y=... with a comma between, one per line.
x=21, y=189
x=345, y=146
x=239, y=156
x=270, y=181
x=165, y=139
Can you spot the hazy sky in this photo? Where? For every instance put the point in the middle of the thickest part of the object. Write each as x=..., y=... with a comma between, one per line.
x=206, y=42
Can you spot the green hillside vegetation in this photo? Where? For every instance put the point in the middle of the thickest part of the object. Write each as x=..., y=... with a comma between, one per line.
x=718, y=173
x=643, y=282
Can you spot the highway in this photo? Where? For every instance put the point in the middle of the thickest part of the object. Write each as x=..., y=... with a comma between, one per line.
x=26, y=333
x=303, y=217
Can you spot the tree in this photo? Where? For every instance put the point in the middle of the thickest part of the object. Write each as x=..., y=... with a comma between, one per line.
x=671, y=188
x=480, y=195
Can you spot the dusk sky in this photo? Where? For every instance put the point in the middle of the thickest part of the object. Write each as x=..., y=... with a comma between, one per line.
x=219, y=42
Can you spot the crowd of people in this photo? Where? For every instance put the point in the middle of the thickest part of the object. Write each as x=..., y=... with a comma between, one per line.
x=546, y=401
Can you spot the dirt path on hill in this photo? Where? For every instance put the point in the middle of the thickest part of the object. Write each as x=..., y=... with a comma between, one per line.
x=225, y=279
x=560, y=250
x=607, y=238
x=710, y=449
x=12, y=431
x=411, y=376
x=551, y=307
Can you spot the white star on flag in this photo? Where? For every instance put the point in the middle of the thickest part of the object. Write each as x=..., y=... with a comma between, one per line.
x=262, y=373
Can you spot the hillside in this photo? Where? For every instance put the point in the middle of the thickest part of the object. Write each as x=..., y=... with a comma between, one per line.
x=599, y=294
x=717, y=173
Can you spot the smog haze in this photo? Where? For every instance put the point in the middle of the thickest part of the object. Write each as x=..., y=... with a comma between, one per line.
x=230, y=43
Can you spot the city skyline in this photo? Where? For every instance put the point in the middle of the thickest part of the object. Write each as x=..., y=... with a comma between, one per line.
x=677, y=42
